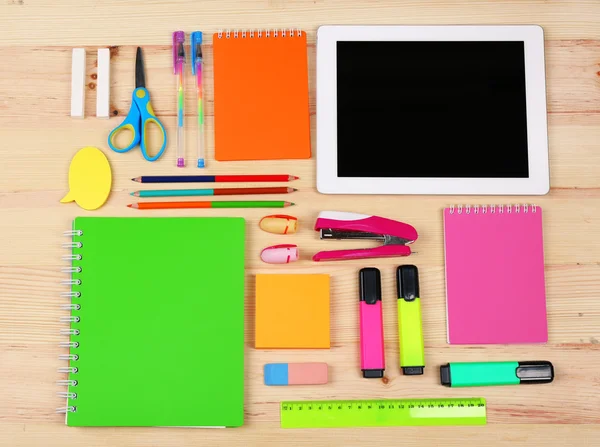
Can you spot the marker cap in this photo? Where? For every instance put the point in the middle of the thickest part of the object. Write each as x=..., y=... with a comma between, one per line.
x=370, y=285
x=408, y=282
x=535, y=372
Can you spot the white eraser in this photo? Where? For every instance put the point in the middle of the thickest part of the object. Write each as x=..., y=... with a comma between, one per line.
x=103, y=84
x=78, y=83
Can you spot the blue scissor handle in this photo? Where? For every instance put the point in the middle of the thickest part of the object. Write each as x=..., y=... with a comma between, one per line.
x=140, y=114
x=142, y=98
x=132, y=123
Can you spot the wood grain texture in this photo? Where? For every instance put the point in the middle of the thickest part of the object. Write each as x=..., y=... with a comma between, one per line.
x=38, y=139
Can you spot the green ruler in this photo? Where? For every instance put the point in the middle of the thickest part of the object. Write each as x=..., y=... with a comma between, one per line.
x=382, y=412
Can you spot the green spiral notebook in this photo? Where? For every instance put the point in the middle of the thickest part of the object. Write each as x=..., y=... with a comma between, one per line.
x=156, y=333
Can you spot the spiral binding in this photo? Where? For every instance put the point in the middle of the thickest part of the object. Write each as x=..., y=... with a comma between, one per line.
x=71, y=282
x=69, y=332
x=70, y=294
x=70, y=233
x=70, y=306
x=70, y=319
x=72, y=245
x=251, y=34
x=492, y=209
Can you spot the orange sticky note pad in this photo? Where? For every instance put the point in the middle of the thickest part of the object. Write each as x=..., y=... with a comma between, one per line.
x=292, y=311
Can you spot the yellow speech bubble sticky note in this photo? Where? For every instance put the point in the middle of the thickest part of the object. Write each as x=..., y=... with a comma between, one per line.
x=90, y=179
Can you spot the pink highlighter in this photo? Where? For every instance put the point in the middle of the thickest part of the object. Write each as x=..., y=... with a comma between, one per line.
x=372, y=361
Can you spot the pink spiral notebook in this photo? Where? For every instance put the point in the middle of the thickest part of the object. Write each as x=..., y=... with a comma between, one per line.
x=495, y=287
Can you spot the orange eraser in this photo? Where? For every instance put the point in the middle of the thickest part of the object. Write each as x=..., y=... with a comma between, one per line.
x=279, y=224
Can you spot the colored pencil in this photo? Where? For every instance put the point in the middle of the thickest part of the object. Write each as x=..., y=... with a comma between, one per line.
x=209, y=204
x=213, y=178
x=211, y=192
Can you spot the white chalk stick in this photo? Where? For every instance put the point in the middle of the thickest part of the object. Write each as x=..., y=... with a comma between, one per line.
x=78, y=83
x=103, y=84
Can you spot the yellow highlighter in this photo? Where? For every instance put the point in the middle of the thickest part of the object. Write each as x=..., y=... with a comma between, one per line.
x=410, y=327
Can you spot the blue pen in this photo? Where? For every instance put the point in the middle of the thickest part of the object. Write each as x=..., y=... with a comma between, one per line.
x=196, y=39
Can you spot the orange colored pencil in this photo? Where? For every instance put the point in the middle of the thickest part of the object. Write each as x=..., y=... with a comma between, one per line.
x=209, y=204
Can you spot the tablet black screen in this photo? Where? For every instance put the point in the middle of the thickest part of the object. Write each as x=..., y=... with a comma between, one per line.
x=431, y=109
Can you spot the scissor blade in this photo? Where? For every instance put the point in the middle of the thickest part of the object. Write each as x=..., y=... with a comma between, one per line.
x=140, y=76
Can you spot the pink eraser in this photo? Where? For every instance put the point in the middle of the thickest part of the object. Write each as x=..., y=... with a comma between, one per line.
x=280, y=254
x=295, y=374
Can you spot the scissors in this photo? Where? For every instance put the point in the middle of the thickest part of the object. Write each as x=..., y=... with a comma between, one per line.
x=140, y=114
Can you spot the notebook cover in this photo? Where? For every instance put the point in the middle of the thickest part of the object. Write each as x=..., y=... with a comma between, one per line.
x=261, y=97
x=495, y=287
x=161, y=326
x=292, y=311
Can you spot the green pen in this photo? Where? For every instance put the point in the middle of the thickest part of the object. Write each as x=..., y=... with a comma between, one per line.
x=457, y=374
x=410, y=327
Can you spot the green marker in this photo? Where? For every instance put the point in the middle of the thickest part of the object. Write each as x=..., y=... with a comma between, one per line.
x=458, y=374
x=410, y=327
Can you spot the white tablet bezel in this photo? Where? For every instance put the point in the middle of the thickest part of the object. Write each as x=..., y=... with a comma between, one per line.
x=328, y=181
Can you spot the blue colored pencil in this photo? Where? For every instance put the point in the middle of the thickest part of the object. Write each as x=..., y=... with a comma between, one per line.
x=214, y=178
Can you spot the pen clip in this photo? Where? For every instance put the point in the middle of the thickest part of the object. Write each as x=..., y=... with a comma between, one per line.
x=196, y=46
x=178, y=50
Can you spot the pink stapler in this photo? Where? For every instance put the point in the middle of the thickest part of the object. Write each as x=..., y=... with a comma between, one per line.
x=338, y=225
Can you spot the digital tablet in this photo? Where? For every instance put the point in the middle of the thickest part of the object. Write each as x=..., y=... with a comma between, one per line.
x=431, y=110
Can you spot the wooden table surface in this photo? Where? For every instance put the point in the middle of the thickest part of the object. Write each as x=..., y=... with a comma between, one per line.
x=38, y=139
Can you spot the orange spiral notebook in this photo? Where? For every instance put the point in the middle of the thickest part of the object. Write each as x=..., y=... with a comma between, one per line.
x=261, y=95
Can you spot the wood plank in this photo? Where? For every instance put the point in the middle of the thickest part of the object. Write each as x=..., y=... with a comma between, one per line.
x=572, y=70
x=573, y=98
x=269, y=434
x=571, y=220
x=565, y=401
x=573, y=321
x=152, y=22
